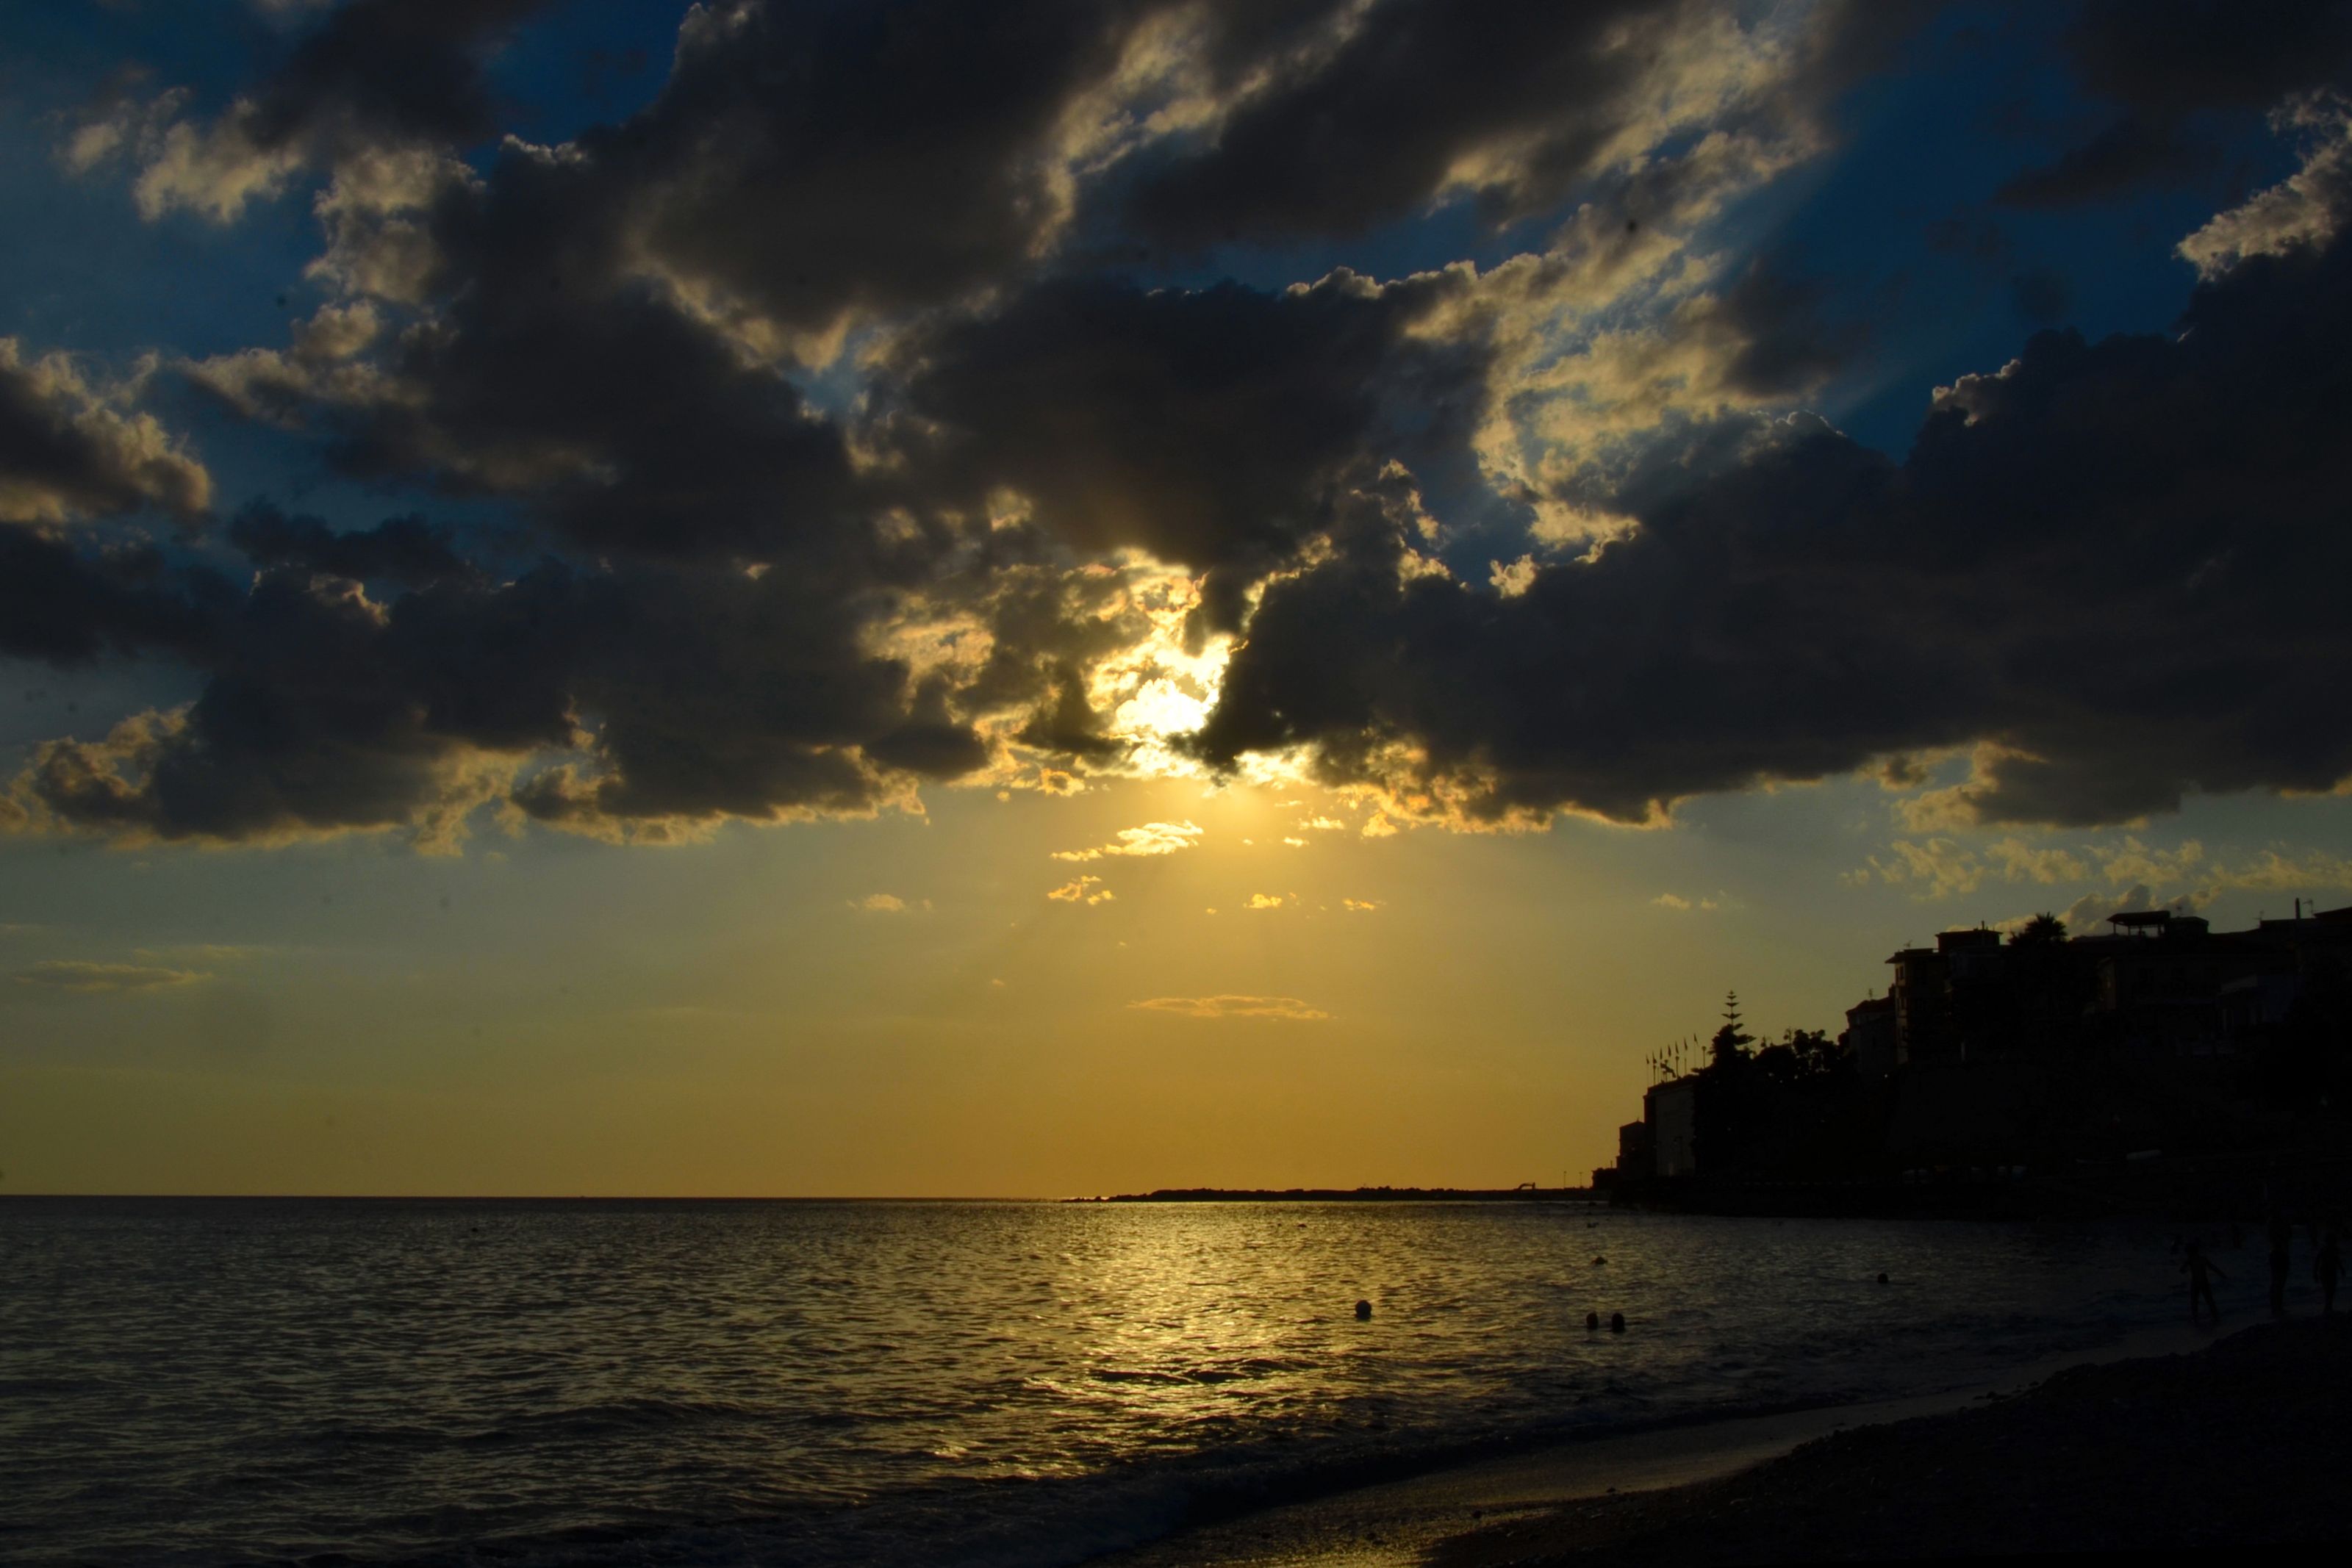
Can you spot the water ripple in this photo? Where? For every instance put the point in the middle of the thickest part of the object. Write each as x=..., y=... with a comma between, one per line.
x=199, y=1383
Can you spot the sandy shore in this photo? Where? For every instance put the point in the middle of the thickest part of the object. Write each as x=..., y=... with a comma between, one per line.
x=2245, y=1443
x=2247, y=1440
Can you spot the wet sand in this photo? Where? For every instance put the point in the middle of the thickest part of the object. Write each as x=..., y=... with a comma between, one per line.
x=2244, y=1441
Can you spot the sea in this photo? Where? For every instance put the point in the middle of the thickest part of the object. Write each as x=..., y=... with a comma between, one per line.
x=218, y=1381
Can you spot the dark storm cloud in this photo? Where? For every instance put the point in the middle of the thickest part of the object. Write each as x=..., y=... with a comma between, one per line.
x=1206, y=426
x=2106, y=562
x=66, y=605
x=66, y=450
x=2121, y=563
x=694, y=693
x=302, y=724
x=810, y=163
x=404, y=549
x=601, y=312
x=2166, y=60
x=806, y=164
x=814, y=159
x=621, y=422
x=2173, y=56
x=717, y=693
x=387, y=71
x=1789, y=340
x=1520, y=104
x=2129, y=153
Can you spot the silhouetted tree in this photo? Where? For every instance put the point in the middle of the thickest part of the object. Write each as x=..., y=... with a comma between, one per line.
x=1731, y=1042
x=2045, y=930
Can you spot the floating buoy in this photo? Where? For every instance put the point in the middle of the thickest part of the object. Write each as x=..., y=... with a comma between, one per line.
x=1600, y=1261
x=1616, y=1322
x=1364, y=1310
x=1881, y=1278
x=1591, y=1322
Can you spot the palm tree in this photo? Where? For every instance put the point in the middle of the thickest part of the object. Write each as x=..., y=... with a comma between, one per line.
x=2045, y=930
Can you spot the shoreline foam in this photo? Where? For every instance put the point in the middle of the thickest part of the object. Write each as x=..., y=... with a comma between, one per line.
x=1598, y=1494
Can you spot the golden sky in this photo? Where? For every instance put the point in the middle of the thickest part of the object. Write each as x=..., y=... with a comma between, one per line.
x=767, y=598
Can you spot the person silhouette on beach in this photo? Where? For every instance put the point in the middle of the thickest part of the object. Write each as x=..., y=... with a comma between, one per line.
x=2200, y=1270
x=2328, y=1267
x=2282, y=1258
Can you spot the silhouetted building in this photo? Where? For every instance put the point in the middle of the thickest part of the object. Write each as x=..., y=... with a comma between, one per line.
x=1870, y=1038
x=1671, y=1112
x=1940, y=996
x=1971, y=958
x=1634, y=1145
x=2161, y=983
x=2038, y=1058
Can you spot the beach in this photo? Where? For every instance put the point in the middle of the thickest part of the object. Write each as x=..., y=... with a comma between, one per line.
x=2242, y=1442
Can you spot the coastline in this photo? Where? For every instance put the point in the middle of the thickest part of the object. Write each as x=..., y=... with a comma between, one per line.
x=2170, y=1440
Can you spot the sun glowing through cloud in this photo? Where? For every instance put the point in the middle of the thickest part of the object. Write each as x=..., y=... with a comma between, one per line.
x=1156, y=691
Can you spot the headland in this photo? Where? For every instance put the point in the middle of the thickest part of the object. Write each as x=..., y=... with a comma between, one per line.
x=1527, y=1193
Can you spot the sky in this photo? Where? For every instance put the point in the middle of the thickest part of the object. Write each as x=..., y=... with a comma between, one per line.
x=1051, y=598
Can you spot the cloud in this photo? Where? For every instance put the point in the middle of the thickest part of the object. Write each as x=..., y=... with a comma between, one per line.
x=1264, y=900
x=1943, y=867
x=74, y=448
x=372, y=74
x=1288, y=1009
x=880, y=903
x=2087, y=914
x=1792, y=604
x=2175, y=56
x=407, y=549
x=1151, y=838
x=681, y=697
x=1401, y=107
x=851, y=429
x=2275, y=873
x=2131, y=153
x=88, y=979
x=2163, y=63
x=724, y=628
x=2021, y=861
x=67, y=604
x=2304, y=210
x=1211, y=427
x=1087, y=889
x=204, y=952
x=1360, y=905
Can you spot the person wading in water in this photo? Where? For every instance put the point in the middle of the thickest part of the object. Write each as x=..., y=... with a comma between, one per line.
x=2200, y=1272
x=2282, y=1248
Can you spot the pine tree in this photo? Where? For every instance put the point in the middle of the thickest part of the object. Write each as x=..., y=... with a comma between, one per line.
x=1731, y=1042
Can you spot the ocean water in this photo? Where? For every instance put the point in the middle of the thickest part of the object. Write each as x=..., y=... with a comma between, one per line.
x=227, y=1381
